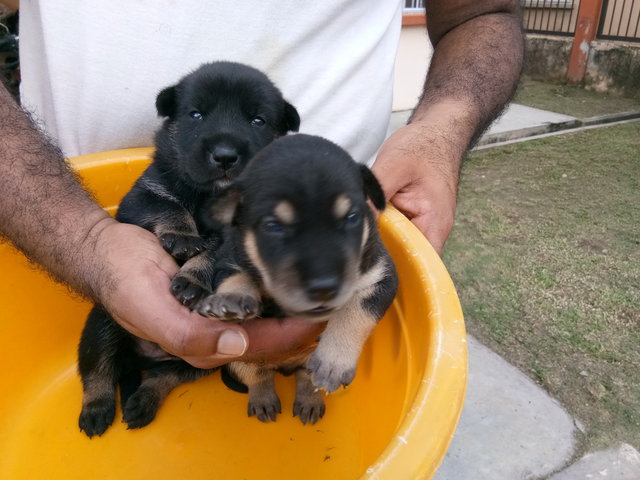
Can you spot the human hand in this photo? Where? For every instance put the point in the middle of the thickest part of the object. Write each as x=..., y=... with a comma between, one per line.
x=418, y=168
x=133, y=276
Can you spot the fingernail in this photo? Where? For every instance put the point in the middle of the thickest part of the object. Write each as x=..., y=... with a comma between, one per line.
x=232, y=342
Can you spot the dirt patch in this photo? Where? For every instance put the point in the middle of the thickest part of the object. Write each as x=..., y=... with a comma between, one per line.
x=593, y=245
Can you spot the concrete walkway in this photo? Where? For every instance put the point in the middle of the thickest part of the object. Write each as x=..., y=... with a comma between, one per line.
x=514, y=119
x=516, y=122
x=511, y=428
x=519, y=121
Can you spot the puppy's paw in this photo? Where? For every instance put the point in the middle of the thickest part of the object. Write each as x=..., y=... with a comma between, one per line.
x=329, y=372
x=182, y=246
x=309, y=408
x=230, y=307
x=141, y=408
x=265, y=406
x=97, y=415
x=187, y=291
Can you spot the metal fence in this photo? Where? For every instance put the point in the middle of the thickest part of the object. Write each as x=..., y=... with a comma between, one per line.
x=550, y=17
x=555, y=17
x=620, y=20
x=413, y=6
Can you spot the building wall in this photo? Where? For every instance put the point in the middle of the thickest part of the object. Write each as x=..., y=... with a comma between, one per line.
x=611, y=66
x=614, y=67
x=414, y=55
x=547, y=57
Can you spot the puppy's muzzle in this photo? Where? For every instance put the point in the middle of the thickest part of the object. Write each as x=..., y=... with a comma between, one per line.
x=225, y=152
x=323, y=289
x=224, y=157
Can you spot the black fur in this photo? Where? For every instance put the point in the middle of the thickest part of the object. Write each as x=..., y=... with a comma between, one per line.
x=308, y=172
x=217, y=119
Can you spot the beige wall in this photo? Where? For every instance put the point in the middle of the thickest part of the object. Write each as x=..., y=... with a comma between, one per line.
x=414, y=54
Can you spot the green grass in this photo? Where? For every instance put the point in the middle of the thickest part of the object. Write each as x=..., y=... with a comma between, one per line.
x=546, y=258
x=571, y=100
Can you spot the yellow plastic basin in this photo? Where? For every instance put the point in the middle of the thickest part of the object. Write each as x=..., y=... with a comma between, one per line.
x=394, y=422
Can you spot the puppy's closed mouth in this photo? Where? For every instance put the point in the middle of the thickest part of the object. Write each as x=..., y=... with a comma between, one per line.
x=320, y=309
x=317, y=313
x=219, y=182
x=223, y=182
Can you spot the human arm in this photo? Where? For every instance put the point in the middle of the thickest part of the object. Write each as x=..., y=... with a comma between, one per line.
x=46, y=213
x=476, y=64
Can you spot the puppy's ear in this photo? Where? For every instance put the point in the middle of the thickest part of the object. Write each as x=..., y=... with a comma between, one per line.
x=166, y=102
x=291, y=118
x=223, y=208
x=372, y=188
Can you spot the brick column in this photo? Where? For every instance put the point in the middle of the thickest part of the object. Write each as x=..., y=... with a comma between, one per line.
x=586, y=29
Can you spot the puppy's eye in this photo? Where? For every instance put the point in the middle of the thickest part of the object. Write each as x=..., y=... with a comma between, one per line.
x=352, y=219
x=257, y=122
x=195, y=114
x=273, y=227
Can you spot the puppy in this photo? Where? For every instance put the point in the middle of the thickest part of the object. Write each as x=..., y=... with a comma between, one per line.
x=304, y=237
x=216, y=119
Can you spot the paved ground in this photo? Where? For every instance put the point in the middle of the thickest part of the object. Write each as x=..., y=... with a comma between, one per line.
x=510, y=428
x=619, y=463
x=517, y=121
x=518, y=117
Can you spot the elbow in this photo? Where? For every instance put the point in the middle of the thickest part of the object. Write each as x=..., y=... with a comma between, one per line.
x=446, y=16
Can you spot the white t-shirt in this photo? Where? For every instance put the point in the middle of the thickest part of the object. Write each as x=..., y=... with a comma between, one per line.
x=91, y=69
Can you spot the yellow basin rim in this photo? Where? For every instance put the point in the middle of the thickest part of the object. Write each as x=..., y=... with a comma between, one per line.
x=413, y=373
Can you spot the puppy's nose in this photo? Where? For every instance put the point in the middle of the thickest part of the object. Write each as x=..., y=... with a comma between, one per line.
x=323, y=289
x=225, y=157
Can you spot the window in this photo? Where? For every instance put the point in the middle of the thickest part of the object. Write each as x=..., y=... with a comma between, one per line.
x=413, y=6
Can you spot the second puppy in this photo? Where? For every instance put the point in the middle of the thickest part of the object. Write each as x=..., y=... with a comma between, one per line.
x=303, y=236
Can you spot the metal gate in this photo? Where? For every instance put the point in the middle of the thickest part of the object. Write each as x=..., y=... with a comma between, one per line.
x=550, y=17
x=620, y=20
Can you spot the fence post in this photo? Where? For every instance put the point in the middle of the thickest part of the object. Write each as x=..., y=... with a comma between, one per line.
x=586, y=29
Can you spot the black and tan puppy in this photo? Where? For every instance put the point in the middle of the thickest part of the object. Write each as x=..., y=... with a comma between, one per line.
x=304, y=237
x=217, y=118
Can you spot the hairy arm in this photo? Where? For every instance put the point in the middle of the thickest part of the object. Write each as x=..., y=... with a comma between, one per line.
x=43, y=209
x=47, y=214
x=476, y=64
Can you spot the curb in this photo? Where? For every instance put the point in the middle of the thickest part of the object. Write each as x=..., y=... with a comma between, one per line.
x=620, y=462
x=550, y=128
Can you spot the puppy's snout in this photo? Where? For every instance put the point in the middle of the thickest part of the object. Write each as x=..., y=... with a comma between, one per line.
x=323, y=289
x=224, y=157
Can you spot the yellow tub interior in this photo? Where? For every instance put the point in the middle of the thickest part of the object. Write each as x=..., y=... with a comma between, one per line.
x=394, y=422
